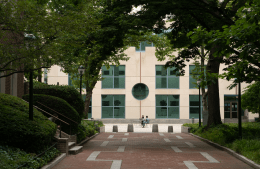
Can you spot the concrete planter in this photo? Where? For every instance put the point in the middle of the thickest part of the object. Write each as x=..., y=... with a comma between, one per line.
x=185, y=129
x=101, y=129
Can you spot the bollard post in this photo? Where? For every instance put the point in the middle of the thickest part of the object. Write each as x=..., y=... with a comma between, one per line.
x=130, y=128
x=115, y=129
x=155, y=128
x=170, y=129
x=192, y=120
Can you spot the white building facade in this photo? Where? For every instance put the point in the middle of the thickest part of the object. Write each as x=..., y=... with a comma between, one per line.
x=141, y=86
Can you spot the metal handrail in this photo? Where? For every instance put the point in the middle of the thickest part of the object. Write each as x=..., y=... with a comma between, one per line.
x=53, y=117
x=48, y=113
x=57, y=112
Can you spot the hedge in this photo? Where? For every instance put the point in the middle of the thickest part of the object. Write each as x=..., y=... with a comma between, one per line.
x=68, y=93
x=17, y=130
x=60, y=106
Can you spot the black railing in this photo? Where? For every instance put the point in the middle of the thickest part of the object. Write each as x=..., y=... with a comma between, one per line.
x=59, y=114
x=52, y=116
x=26, y=163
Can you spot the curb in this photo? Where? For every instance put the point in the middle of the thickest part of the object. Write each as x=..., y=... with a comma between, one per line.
x=231, y=152
x=84, y=141
x=54, y=162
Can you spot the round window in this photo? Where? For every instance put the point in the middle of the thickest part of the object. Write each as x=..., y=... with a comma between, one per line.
x=140, y=91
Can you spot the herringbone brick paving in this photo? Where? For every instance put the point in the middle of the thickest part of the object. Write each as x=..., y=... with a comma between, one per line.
x=150, y=151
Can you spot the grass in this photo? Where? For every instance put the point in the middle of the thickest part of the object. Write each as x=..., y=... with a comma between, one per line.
x=227, y=135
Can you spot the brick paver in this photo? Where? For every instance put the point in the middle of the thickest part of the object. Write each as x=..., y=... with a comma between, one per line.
x=150, y=151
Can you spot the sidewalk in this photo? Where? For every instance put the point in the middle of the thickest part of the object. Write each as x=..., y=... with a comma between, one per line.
x=150, y=151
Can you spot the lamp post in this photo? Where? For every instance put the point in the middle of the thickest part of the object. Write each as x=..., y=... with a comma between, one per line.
x=30, y=37
x=81, y=70
x=198, y=82
x=239, y=110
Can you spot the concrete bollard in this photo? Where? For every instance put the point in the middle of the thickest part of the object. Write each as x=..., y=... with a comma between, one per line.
x=170, y=129
x=155, y=128
x=130, y=128
x=115, y=128
x=192, y=120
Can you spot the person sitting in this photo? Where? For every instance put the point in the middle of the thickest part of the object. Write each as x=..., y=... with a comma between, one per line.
x=147, y=120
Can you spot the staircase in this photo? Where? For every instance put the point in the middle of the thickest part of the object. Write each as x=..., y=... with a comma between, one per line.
x=73, y=149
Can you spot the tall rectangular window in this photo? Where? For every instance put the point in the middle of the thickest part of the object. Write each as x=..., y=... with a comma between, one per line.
x=113, y=106
x=167, y=106
x=166, y=78
x=114, y=78
x=143, y=45
x=194, y=106
x=193, y=82
x=90, y=105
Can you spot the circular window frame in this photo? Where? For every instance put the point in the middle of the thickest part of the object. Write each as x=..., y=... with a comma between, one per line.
x=139, y=84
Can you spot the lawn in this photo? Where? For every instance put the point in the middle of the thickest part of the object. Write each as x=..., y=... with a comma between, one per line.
x=227, y=135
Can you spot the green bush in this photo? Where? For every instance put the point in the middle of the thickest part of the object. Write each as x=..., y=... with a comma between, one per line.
x=17, y=130
x=86, y=129
x=61, y=106
x=12, y=157
x=68, y=93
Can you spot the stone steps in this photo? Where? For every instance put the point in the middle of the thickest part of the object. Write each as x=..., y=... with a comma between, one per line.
x=75, y=150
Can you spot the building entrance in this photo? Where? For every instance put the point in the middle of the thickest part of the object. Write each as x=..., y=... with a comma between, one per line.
x=230, y=108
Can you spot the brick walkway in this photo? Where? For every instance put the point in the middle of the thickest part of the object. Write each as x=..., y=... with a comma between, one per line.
x=149, y=151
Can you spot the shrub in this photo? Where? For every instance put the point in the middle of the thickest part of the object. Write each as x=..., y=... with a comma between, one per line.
x=68, y=93
x=86, y=129
x=12, y=157
x=17, y=130
x=59, y=105
x=82, y=133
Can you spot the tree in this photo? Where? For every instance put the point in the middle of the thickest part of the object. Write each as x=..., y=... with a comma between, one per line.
x=101, y=44
x=250, y=98
x=27, y=31
x=210, y=15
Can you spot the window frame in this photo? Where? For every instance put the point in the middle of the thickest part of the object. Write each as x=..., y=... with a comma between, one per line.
x=113, y=77
x=201, y=108
x=167, y=77
x=190, y=77
x=167, y=106
x=140, y=46
x=112, y=106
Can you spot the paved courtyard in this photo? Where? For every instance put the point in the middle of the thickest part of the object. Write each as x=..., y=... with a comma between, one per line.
x=149, y=151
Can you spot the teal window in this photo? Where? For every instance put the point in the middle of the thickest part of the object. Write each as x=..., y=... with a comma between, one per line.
x=143, y=45
x=166, y=78
x=167, y=106
x=114, y=78
x=192, y=81
x=113, y=106
x=140, y=91
x=90, y=105
x=194, y=106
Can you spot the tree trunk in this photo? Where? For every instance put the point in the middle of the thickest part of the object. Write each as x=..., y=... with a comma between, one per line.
x=213, y=90
x=87, y=102
x=204, y=94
